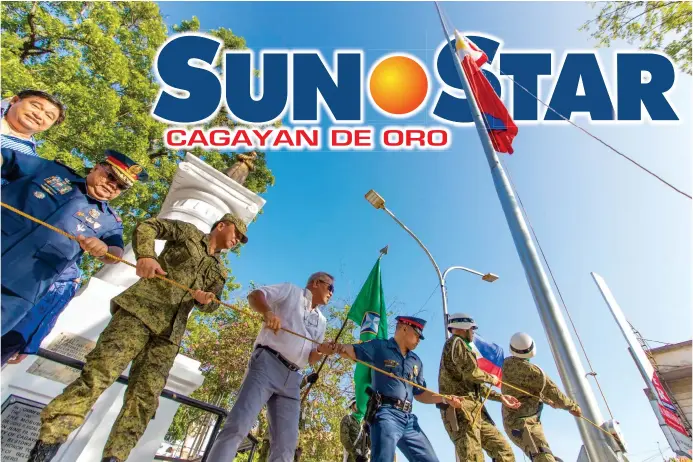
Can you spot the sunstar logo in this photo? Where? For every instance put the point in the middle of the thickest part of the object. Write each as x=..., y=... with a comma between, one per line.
x=198, y=80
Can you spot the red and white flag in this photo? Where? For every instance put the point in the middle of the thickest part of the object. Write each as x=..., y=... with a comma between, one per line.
x=465, y=47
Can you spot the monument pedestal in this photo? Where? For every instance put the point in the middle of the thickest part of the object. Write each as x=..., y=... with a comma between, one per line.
x=199, y=195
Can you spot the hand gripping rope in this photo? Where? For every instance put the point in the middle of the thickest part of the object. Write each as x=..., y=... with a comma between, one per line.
x=250, y=313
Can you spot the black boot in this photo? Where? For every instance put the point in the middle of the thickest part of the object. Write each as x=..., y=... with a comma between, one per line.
x=43, y=452
x=111, y=459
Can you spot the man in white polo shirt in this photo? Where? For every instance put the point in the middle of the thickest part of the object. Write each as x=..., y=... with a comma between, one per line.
x=273, y=376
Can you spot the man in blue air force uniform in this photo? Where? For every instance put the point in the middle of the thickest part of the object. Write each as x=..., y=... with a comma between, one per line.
x=33, y=256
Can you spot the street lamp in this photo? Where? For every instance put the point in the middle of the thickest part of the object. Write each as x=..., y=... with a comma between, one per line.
x=377, y=201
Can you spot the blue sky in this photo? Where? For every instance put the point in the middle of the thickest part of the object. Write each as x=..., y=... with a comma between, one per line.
x=592, y=210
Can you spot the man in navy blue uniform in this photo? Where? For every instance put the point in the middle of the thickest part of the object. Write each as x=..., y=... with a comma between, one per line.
x=394, y=425
x=33, y=256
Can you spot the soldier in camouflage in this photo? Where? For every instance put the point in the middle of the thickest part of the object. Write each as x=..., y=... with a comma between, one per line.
x=147, y=326
x=354, y=437
x=460, y=375
x=523, y=425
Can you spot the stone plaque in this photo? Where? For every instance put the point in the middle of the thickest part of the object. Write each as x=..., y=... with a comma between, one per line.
x=67, y=344
x=20, y=428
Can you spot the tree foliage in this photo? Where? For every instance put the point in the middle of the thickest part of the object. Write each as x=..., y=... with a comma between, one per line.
x=97, y=58
x=656, y=25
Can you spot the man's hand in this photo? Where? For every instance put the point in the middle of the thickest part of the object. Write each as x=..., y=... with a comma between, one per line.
x=510, y=401
x=577, y=412
x=148, y=268
x=203, y=297
x=272, y=321
x=93, y=245
x=454, y=401
x=16, y=358
x=327, y=348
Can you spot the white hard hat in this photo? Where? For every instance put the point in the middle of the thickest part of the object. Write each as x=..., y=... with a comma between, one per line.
x=522, y=346
x=461, y=321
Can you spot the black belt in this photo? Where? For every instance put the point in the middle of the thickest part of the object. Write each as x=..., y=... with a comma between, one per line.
x=404, y=406
x=284, y=361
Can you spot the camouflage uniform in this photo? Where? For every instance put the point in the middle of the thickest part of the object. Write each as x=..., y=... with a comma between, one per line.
x=147, y=326
x=459, y=375
x=523, y=425
x=354, y=438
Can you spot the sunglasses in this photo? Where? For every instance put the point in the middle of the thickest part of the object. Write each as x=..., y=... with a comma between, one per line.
x=330, y=287
x=112, y=177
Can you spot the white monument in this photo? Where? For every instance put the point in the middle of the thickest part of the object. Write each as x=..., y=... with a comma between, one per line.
x=199, y=195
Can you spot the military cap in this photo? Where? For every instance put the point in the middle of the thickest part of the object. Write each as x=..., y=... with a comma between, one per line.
x=127, y=170
x=417, y=323
x=240, y=226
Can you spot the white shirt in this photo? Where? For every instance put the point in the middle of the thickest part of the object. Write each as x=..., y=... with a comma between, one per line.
x=293, y=306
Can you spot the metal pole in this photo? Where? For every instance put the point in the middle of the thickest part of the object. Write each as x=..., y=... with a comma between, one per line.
x=435, y=265
x=562, y=346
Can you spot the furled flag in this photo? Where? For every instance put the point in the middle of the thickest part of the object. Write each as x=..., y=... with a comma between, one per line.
x=489, y=356
x=370, y=313
x=500, y=126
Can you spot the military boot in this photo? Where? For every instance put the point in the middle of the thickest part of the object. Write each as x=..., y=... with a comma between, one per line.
x=43, y=452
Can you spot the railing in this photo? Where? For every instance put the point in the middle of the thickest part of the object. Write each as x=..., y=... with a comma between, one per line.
x=221, y=413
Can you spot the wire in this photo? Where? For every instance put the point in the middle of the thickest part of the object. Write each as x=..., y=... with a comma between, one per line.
x=596, y=137
x=548, y=106
x=558, y=289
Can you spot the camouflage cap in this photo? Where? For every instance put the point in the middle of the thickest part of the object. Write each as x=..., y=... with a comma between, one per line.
x=240, y=226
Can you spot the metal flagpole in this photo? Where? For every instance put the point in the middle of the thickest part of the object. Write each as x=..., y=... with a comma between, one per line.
x=562, y=346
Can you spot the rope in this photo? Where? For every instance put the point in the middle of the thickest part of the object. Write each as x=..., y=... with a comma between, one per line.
x=488, y=392
x=592, y=372
x=191, y=292
x=246, y=312
x=447, y=22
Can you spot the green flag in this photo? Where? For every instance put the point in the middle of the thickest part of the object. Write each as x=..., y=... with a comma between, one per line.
x=368, y=311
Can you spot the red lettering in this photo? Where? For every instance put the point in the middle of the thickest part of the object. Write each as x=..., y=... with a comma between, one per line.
x=173, y=140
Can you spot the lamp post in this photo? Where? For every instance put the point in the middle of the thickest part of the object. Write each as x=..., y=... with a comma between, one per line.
x=377, y=201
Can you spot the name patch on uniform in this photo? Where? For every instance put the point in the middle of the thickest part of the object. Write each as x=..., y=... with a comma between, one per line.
x=390, y=363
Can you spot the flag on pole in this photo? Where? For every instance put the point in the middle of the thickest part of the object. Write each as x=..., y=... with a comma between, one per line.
x=489, y=356
x=465, y=47
x=369, y=312
x=500, y=126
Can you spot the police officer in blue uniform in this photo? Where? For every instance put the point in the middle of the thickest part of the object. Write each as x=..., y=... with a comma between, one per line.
x=394, y=425
x=33, y=256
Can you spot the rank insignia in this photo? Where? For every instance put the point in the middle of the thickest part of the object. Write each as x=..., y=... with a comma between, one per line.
x=416, y=370
x=81, y=228
x=97, y=225
x=39, y=195
x=80, y=214
x=94, y=213
x=390, y=363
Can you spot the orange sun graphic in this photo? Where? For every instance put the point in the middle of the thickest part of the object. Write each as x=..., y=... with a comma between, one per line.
x=398, y=85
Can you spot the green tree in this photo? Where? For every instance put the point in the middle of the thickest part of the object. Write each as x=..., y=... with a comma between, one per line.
x=97, y=57
x=657, y=25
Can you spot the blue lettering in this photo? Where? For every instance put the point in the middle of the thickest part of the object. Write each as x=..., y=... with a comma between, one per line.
x=631, y=89
x=595, y=101
x=525, y=69
x=455, y=108
x=203, y=85
x=342, y=98
x=274, y=88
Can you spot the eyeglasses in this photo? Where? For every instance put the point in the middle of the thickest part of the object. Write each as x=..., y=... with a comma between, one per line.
x=330, y=287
